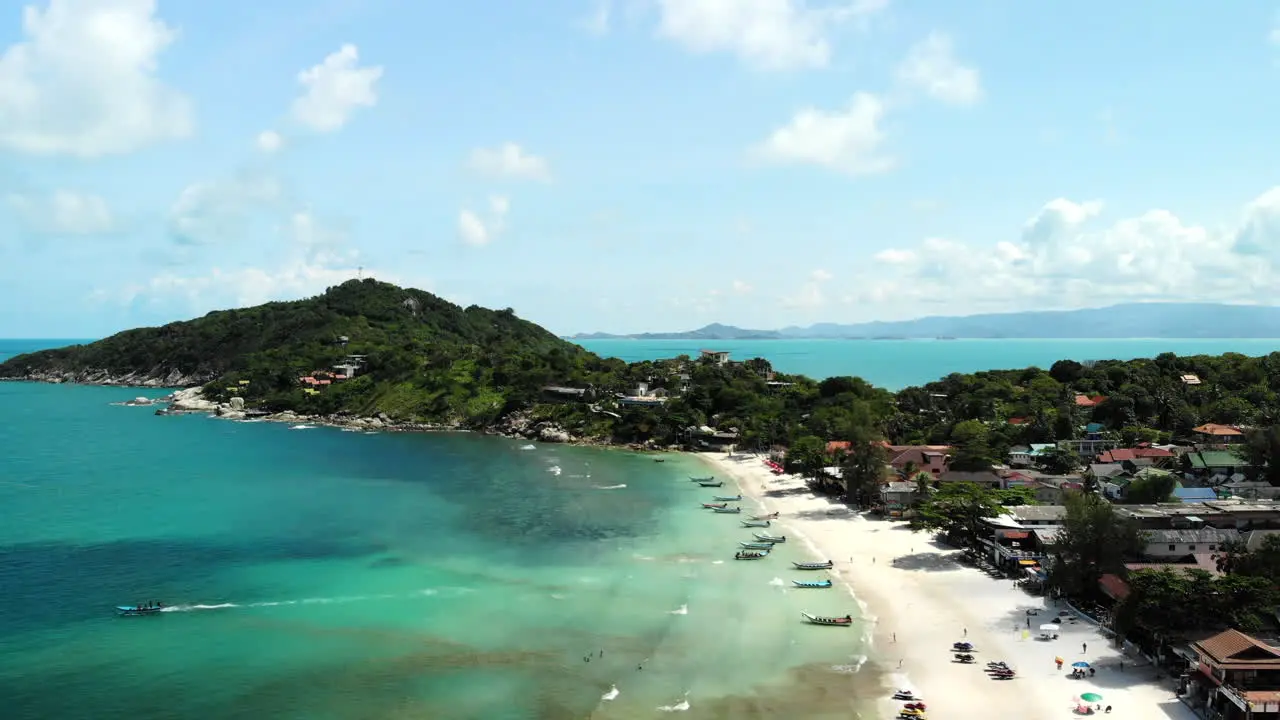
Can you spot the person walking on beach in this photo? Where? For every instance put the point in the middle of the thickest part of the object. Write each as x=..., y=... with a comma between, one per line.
x=966, y=632
x=1084, y=647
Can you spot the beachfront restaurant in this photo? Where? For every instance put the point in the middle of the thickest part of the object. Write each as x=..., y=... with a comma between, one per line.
x=1015, y=548
x=1235, y=677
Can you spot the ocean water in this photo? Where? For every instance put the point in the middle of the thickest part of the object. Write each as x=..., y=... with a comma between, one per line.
x=895, y=364
x=323, y=574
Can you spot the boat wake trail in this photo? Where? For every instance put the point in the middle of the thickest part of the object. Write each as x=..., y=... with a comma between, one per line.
x=681, y=706
x=425, y=592
x=613, y=693
x=682, y=610
x=610, y=487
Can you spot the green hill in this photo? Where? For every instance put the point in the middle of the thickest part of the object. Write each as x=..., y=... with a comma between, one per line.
x=424, y=357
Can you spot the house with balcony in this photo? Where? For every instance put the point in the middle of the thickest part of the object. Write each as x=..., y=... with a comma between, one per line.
x=1235, y=676
x=1217, y=434
x=925, y=458
x=719, y=357
x=1028, y=455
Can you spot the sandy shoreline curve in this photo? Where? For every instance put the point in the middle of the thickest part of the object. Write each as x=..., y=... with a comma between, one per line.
x=917, y=599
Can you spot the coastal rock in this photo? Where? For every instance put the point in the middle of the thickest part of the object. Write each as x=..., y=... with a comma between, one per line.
x=156, y=377
x=237, y=404
x=191, y=400
x=553, y=434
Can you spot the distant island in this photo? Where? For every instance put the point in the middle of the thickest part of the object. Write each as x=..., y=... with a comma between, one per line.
x=1132, y=320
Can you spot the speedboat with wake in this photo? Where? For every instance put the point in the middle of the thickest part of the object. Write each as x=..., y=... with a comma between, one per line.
x=151, y=608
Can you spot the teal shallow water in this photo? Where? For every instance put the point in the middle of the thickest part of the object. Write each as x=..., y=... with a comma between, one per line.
x=895, y=364
x=327, y=574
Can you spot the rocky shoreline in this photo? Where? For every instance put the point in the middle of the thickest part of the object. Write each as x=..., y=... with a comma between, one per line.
x=517, y=425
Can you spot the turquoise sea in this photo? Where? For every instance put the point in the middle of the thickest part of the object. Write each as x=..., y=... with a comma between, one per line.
x=316, y=573
x=895, y=364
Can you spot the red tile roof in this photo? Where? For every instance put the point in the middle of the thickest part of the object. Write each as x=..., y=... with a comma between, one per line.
x=1218, y=430
x=1114, y=586
x=835, y=446
x=1018, y=421
x=1087, y=401
x=1122, y=454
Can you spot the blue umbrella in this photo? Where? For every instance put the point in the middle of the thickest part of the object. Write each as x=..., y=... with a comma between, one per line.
x=1082, y=664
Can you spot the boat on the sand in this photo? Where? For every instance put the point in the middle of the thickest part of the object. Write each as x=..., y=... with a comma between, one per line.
x=755, y=555
x=845, y=621
x=139, y=609
x=713, y=506
x=814, y=565
x=755, y=523
x=728, y=510
x=756, y=545
x=770, y=516
x=728, y=498
x=770, y=538
x=811, y=583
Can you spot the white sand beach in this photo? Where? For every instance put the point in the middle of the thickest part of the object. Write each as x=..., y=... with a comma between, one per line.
x=917, y=600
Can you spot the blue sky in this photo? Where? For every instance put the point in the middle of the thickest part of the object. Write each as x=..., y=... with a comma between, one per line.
x=635, y=165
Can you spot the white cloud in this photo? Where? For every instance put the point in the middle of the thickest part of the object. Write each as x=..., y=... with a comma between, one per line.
x=509, y=160
x=269, y=141
x=477, y=230
x=764, y=34
x=1058, y=260
x=820, y=276
x=740, y=287
x=1274, y=35
x=84, y=82
x=334, y=89
x=895, y=257
x=211, y=212
x=63, y=213
x=810, y=295
x=597, y=22
x=932, y=68
x=847, y=141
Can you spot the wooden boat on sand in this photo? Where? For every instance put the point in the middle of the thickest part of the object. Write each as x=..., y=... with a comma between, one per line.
x=770, y=516
x=770, y=538
x=814, y=565
x=756, y=545
x=846, y=621
x=713, y=506
x=753, y=555
x=755, y=523
x=728, y=510
x=728, y=498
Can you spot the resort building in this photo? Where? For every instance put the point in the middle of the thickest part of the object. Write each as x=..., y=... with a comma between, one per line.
x=925, y=458
x=718, y=357
x=1215, y=434
x=1235, y=676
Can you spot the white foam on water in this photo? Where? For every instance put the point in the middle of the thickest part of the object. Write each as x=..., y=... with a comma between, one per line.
x=717, y=562
x=682, y=706
x=643, y=557
x=777, y=582
x=557, y=596
x=554, y=469
x=613, y=693
x=302, y=427
x=425, y=592
x=610, y=487
x=682, y=610
x=528, y=447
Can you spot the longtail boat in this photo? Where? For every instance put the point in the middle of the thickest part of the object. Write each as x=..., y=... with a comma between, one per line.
x=758, y=555
x=755, y=523
x=728, y=510
x=728, y=498
x=814, y=566
x=714, y=506
x=846, y=621
x=708, y=478
x=811, y=583
x=711, y=483
x=770, y=516
x=770, y=538
x=131, y=610
x=756, y=546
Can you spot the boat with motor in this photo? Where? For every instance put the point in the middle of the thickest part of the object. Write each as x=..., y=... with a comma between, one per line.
x=713, y=506
x=755, y=523
x=147, y=609
x=770, y=538
x=814, y=565
x=770, y=516
x=756, y=545
x=751, y=555
x=811, y=583
x=728, y=510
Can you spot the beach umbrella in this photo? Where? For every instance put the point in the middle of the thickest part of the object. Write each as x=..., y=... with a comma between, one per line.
x=1082, y=664
x=1091, y=697
x=1051, y=627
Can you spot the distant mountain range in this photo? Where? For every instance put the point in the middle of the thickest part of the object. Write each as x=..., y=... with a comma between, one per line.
x=1134, y=320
